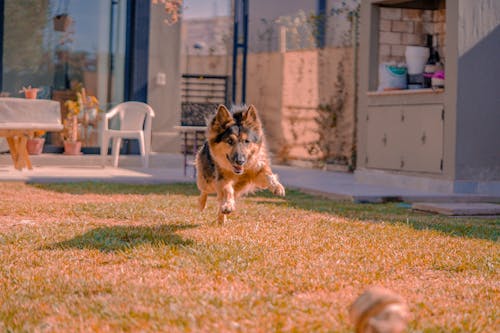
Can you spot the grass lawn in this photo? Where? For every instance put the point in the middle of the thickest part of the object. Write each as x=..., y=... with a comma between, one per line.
x=103, y=257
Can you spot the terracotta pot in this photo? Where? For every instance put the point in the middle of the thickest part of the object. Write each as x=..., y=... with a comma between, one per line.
x=72, y=148
x=31, y=93
x=35, y=146
x=62, y=22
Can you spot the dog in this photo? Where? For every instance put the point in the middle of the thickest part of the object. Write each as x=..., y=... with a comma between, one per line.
x=233, y=160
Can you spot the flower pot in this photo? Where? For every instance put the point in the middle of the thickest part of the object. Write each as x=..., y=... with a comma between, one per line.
x=61, y=22
x=30, y=93
x=72, y=148
x=35, y=146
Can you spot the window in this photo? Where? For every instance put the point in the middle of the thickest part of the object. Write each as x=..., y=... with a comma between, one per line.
x=58, y=44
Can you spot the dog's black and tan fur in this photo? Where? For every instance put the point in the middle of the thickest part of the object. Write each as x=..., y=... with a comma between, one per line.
x=233, y=161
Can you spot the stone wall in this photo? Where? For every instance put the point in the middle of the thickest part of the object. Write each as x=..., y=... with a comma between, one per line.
x=400, y=27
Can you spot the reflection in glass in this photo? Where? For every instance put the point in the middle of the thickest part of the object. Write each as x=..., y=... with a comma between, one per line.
x=66, y=43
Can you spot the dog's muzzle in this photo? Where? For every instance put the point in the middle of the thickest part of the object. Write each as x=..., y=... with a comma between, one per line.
x=237, y=162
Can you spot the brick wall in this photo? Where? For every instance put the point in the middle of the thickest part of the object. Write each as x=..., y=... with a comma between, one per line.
x=401, y=27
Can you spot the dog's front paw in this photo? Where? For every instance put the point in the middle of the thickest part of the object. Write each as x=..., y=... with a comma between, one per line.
x=275, y=186
x=227, y=207
x=221, y=218
x=279, y=190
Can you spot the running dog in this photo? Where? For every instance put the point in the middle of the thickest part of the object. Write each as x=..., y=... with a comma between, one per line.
x=233, y=160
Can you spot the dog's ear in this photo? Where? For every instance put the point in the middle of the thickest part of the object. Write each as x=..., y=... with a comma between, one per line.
x=223, y=117
x=250, y=116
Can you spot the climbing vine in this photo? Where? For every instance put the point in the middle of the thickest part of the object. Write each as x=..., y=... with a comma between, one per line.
x=328, y=145
x=172, y=8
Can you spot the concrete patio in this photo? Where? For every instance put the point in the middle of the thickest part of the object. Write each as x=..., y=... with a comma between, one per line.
x=168, y=168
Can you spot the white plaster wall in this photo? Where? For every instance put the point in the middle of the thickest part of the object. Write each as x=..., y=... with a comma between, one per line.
x=164, y=58
x=477, y=18
x=478, y=98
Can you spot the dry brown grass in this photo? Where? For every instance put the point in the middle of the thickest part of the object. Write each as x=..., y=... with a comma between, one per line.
x=97, y=257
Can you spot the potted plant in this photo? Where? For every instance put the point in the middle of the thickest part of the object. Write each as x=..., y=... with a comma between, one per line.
x=29, y=93
x=72, y=145
x=62, y=22
x=35, y=143
x=70, y=133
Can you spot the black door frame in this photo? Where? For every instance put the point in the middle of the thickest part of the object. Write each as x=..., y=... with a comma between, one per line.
x=137, y=51
x=240, y=41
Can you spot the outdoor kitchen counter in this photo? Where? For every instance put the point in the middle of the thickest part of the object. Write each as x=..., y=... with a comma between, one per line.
x=406, y=96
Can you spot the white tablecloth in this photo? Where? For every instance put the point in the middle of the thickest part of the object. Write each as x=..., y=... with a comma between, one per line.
x=32, y=114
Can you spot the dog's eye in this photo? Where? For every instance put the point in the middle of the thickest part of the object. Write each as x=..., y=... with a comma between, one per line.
x=247, y=141
x=230, y=141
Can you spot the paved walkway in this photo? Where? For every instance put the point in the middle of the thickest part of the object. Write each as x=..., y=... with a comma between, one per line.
x=167, y=168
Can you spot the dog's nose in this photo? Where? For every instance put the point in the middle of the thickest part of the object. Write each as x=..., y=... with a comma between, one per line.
x=240, y=160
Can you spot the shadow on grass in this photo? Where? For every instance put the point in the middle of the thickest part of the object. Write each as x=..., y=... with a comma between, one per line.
x=482, y=228
x=116, y=188
x=118, y=238
x=393, y=212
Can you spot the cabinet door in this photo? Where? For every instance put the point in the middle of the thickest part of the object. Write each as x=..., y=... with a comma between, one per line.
x=383, y=133
x=406, y=138
x=424, y=150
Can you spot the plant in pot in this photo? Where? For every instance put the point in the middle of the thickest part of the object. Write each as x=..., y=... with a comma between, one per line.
x=70, y=132
x=82, y=105
x=35, y=142
x=29, y=93
x=89, y=119
x=62, y=22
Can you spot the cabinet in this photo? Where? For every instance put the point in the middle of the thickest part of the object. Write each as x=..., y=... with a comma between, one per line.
x=405, y=137
x=432, y=140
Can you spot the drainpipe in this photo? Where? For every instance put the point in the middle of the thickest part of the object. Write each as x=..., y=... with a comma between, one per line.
x=354, y=31
x=321, y=24
x=240, y=18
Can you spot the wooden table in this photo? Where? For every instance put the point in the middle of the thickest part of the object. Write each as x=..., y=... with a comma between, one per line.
x=20, y=118
x=17, y=139
x=187, y=132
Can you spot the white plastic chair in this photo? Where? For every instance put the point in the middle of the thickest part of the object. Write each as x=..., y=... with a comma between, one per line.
x=135, y=123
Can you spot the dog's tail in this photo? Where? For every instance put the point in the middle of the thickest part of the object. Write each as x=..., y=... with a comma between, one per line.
x=202, y=201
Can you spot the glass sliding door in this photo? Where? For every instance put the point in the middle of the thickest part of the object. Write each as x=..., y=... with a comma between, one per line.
x=60, y=45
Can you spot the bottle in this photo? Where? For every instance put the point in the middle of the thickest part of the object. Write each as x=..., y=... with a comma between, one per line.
x=432, y=62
